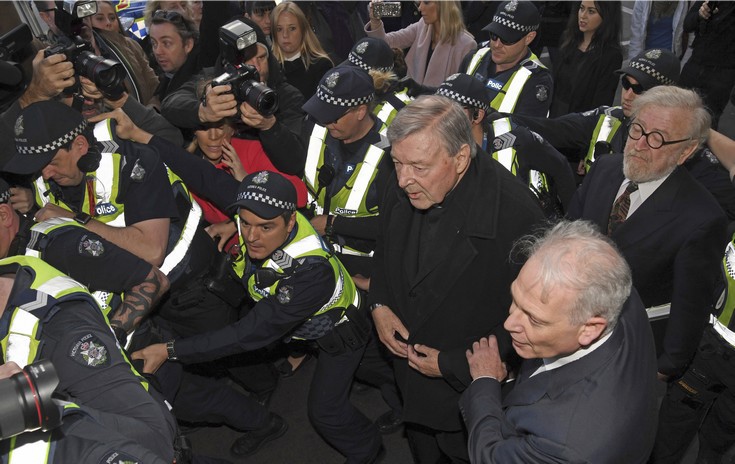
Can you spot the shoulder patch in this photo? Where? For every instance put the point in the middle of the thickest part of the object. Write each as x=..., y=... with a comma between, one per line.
x=138, y=172
x=90, y=351
x=504, y=141
x=116, y=457
x=89, y=246
x=284, y=294
x=542, y=93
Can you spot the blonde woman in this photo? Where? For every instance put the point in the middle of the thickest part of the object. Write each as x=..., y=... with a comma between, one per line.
x=438, y=41
x=297, y=49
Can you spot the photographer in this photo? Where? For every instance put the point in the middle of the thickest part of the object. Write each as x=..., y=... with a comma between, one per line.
x=68, y=328
x=277, y=132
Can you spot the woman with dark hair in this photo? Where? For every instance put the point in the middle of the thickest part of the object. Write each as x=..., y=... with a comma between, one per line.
x=590, y=53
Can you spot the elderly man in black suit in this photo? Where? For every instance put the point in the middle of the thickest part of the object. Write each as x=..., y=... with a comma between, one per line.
x=441, y=267
x=669, y=228
x=586, y=389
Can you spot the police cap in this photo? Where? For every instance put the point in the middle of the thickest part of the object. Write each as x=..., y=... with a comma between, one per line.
x=370, y=53
x=40, y=131
x=340, y=89
x=266, y=194
x=653, y=67
x=513, y=20
x=465, y=90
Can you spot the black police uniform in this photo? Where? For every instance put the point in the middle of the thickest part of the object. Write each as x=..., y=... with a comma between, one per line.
x=534, y=153
x=535, y=98
x=101, y=378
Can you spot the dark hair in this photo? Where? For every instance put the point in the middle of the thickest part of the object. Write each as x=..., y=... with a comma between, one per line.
x=606, y=36
x=184, y=26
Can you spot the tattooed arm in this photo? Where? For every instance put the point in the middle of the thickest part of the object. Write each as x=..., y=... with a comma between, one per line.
x=139, y=301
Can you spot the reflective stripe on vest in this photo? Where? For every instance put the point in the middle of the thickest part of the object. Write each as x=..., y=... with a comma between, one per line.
x=314, y=153
x=606, y=128
x=350, y=200
x=387, y=112
x=506, y=156
x=513, y=89
x=179, y=251
x=476, y=58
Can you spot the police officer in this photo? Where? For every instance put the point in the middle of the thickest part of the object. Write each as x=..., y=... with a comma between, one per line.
x=115, y=188
x=46, y=315
x=301, y=291
x=376, y=57
x=522, y=151
x=104, y=268
x=517, y=82
x=347, y=160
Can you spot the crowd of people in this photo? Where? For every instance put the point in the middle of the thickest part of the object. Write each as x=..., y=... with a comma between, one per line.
x=527, y=272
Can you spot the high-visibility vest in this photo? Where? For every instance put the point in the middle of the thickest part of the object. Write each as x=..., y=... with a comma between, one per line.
x=387, y=111
x=607, y=126
x=507, y=98
x=509, y=159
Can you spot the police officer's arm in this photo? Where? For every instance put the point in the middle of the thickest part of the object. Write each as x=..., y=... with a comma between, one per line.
x=100, y=265
x=571, y=132
x=214, y=185
x=269, y=320
x=142, y=116
x=723, y=148
x=146, y=239
x=536, y=153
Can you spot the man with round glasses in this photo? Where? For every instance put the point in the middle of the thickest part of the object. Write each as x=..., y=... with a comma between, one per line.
x=666, y=224
x=515, y=78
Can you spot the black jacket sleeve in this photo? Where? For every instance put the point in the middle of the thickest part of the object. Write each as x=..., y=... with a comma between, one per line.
x=150, y=121
x=282, y=142
x=199, y=175
x=181, y=108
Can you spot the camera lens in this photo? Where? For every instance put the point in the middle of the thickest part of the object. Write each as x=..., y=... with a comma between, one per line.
x=262, y=98
x=106, y=74
x=25, y=400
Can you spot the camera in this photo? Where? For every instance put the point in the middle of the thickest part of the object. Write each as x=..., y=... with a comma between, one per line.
x=107, y=75
x=386, y=9
x=25, y=400
x=238, y=44
x=246, y=87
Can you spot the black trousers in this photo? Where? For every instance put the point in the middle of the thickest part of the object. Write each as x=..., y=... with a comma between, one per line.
x=337, y=420
x=376, y=369
x=710, y=411
x=429, y=446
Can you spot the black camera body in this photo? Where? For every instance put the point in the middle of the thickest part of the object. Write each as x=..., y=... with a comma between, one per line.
x=238, y=44
x=25, y=400
x=106, y=74
x=246, y=87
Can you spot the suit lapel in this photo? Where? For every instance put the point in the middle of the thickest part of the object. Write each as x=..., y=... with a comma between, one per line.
x=653, y=214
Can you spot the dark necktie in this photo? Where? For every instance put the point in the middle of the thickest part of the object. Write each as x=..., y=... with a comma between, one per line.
x=620, y=208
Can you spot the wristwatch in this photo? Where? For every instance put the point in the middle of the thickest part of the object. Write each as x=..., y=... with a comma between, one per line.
x=374, y=306
x=170, y=353
x=82, y=218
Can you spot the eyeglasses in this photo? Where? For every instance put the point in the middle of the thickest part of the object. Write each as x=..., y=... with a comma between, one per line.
x=339, y=118
x=494, y=37
x=637, y=88
x=654, y=139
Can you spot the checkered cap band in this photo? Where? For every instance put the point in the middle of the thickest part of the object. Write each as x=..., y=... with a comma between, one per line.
x=266, y=199
x=5, y=196
x=354, y=59
x=514, y=25
x=651, y=72
x=463, y=99
x=51, y=146
x=346, y=102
